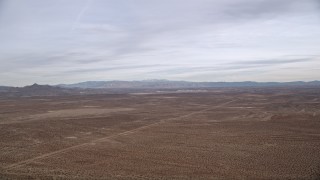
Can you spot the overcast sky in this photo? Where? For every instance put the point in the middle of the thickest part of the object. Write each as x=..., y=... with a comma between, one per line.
x=67, y=41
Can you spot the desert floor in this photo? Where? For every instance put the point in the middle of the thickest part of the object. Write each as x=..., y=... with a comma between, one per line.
x=213, y=134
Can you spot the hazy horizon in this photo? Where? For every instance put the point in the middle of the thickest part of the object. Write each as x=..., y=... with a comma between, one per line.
x=55, y=42
x=154, y=80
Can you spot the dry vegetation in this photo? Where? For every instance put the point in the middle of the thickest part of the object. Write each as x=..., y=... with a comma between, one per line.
x=218, y=134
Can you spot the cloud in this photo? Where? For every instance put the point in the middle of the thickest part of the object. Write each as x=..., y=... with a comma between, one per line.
x=267, y=8
x=81, y=13
x=175, y=39
x=274, y=61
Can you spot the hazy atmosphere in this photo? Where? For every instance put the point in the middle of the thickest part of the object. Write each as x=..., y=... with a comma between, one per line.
x=67, y=41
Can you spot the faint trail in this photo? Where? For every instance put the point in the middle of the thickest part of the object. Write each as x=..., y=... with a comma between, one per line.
x=21, y=163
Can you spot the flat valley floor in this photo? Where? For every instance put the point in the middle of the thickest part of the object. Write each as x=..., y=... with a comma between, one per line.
x=250, y=133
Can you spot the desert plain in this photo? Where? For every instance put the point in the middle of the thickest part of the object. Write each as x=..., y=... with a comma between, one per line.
x=221, y=133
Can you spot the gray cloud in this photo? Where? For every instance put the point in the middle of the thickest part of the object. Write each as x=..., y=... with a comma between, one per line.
x=274, y=61
x=42, y=41
x=268, y=8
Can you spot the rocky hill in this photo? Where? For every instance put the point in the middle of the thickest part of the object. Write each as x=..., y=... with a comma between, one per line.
x=35, y=90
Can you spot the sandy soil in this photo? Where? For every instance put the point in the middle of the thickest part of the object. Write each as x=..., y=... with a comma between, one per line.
x=231, y=134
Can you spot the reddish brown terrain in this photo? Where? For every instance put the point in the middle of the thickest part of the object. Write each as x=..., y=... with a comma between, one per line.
x=255, y=133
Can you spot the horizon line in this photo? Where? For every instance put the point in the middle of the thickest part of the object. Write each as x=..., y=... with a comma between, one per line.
x=150, y=80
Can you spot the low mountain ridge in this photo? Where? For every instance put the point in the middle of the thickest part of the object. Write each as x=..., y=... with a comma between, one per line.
x=166, y=84
x=34, y=90
x=116, y=87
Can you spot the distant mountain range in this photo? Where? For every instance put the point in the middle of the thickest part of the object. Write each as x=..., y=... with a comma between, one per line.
x=166, y=84
x=35, y=90
x=98, y=87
